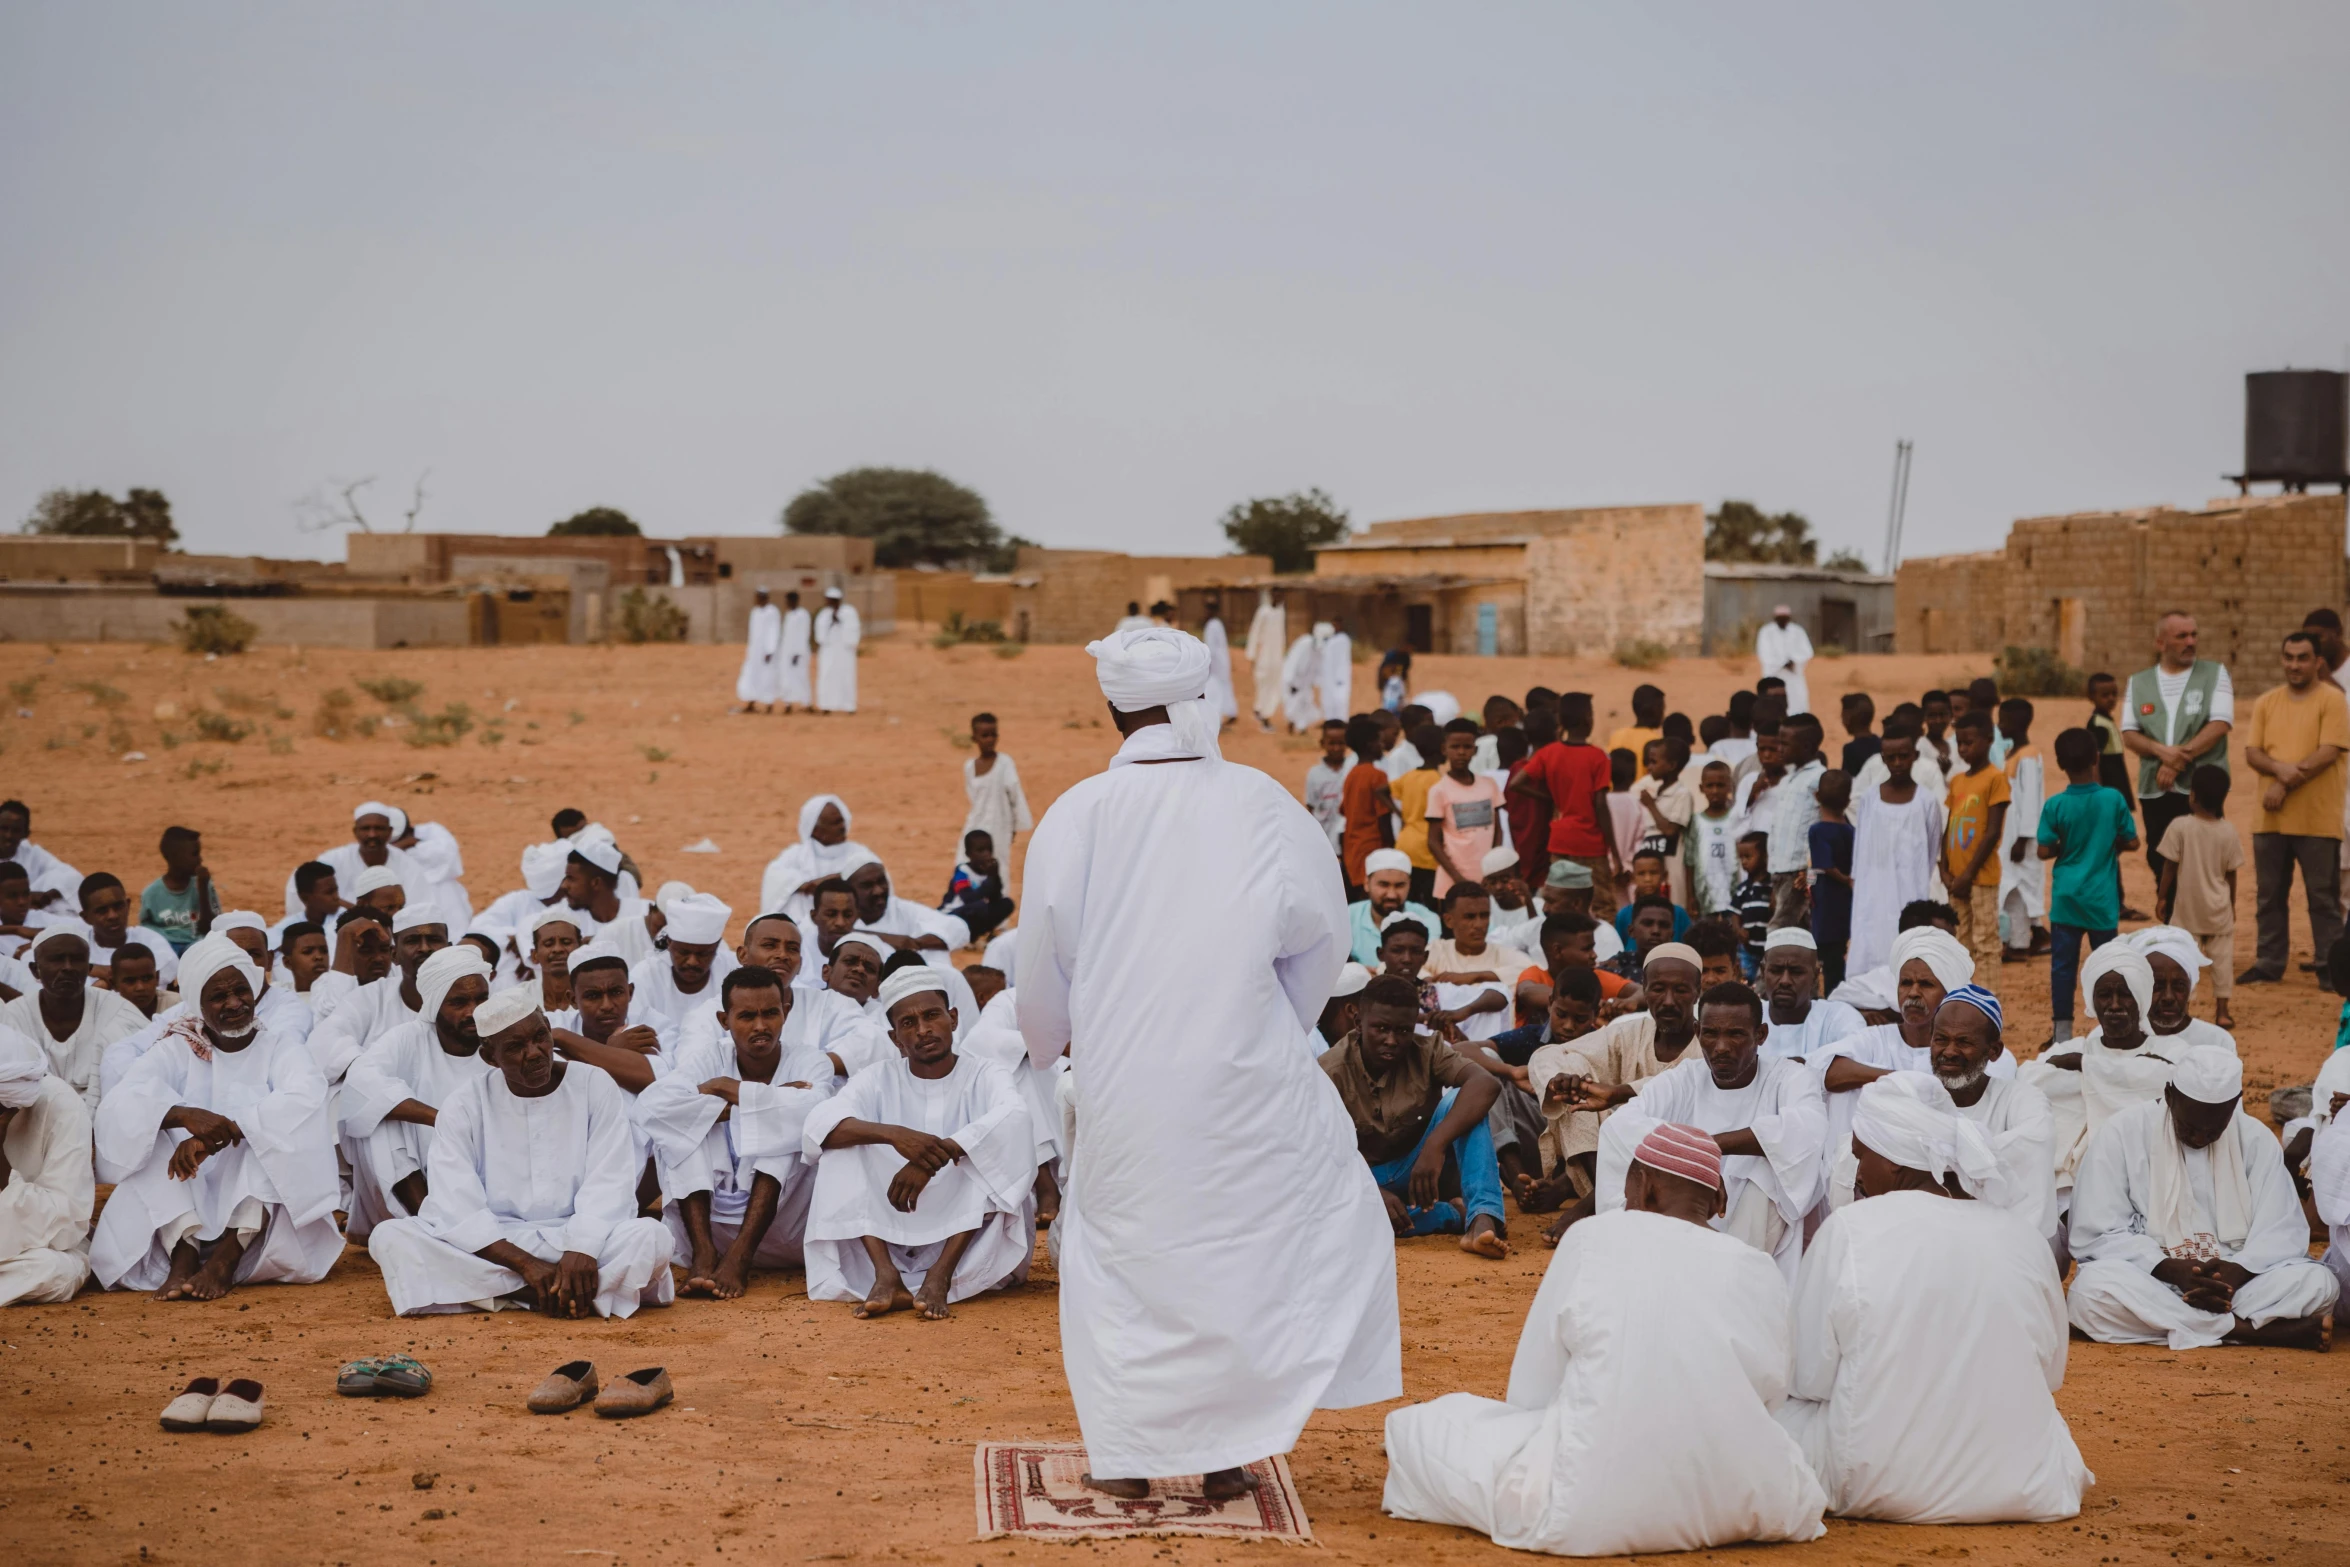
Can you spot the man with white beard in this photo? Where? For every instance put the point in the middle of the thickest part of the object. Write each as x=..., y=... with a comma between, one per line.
x=761, y=677
x=1194, y=1345
x=2187, y=1226
x=1930, y=1333
x=680, y=979
x=1965, y=1055
x=533, y=1189
x=1268, y=641
x=392, y=1096
x=837, y=631
x=1640, y=1401
x=245, y=1193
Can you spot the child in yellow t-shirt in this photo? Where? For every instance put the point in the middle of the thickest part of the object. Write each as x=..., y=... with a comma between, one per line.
x=1977, y=811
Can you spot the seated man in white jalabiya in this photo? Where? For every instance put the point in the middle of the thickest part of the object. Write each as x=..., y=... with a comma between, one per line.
x=1639, y=1412
x=1930, y=1332
x=69, y=1018
x=1928, y=964
x=2187, y=1227
x=2329, y=1189
x=817, y=1016
x=1763, y=1112
x=925, y=1169
x=220, y=1147
x=532, y=1198
x=393, y=1095
x=46, y=1187
x=686, y=976
x=376, y=1008
x=726, y=1124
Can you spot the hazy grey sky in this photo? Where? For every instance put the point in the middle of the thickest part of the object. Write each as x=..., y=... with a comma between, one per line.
x=1120, y=266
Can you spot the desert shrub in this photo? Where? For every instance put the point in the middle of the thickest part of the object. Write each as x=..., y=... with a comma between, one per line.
x=648, y=617
x=337, y=717
x=100, y=693
x=955, y=630
x=246, y=702
x=391, y=690
x=219, y=726
x=214, y=628
x=2037, y=671
x=1641, y=653
x=446, y=727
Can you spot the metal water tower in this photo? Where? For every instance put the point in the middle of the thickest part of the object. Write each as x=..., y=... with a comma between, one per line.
x=2296, y=429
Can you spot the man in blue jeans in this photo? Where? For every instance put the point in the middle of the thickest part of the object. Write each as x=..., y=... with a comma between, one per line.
x=1419, y=1111
x=2085, y=830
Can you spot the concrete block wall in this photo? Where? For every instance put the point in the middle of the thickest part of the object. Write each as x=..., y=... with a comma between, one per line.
x=1075, y=597
x=1615, y=575
x=86, y=614
x=1951, y=603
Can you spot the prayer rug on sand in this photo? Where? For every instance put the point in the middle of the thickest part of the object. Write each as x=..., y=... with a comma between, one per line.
x=1035, y=1490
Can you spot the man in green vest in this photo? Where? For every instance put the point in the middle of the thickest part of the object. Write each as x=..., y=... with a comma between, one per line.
x=2175, y=718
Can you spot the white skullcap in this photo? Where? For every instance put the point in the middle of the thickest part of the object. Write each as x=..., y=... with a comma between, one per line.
x=592, y=952
x=2174, y=944
x=602, y=853
x=415, y=916
x=1680, y=951
x=1325, y=630
x=593, y=832
x=436, y=974
x=22, y=1066
x=1781, y=609
x=390, y=813
x=1910, y=1119
x=560, y=914
x=670, y=892
x=1940, y=951
x=698, y=920
x=832, y=593
x=1159, y=666
x=1352, y=977
x=375, y=879
x=1401, y=915
x=1387, y=860
x=867, y=942
x=207, y=958
x=1500, y=859
x=505, y=1008
x=912, y=980
x=542, y=867
x=1790, y=936
x=2209, y=1075
x=2119, y=957
x=64, y=927
x=238, y=919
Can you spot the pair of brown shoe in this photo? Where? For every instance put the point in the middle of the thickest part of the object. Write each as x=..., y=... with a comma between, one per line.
x=569, y=1386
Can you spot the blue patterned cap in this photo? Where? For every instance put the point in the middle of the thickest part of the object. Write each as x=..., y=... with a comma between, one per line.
x=1982, y=1001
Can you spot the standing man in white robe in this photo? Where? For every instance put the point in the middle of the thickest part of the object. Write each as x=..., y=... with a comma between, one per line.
x=1194, y=1344
x=925, y=1169
x=533, y=1189
x=220, y=1149
x=1300, y=671
x=1219, y=663
x=392, y=1096
x=2187, y=1227
x=1896, y=848
x=46, y=1185
x=1640, y=1401
x=1336, y=678
x=838, y=630
x=761, y=679
x=1930, y=1333
x=1782, y=648
x=792, y=655
x=1268, y=644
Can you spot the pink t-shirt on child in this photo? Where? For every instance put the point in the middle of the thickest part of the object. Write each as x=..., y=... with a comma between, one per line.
x=1468, y=818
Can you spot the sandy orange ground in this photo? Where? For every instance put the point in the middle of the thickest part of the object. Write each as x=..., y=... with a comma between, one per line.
x=800, y=1434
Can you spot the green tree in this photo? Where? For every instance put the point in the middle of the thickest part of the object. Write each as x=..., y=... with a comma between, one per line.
x=912, y=515
x=1743, y=531
x=597, y=522
x=94, y=514
x=1846, y=560
x=1288, y=528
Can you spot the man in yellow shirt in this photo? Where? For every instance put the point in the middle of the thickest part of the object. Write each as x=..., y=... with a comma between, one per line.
x=1648, y=722
x=1411, y=809
x=2295, y=742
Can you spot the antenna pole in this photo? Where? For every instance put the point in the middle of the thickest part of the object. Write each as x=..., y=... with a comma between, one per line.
x=1897, y=507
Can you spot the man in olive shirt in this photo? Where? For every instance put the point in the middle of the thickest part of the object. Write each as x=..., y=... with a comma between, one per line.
x=2296, y=739
x=1419, y=1113
x=2175, y=717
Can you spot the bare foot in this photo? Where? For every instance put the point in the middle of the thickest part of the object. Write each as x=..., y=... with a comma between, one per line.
x=1484, y=1239
x=2223, y=1018
x=183, y=1268
x=888, y=1296
x=730, y=1278
x=1228, y=1484
x=1124, y=1490
x=931, y=1299
x=1555, y=1231
x=2312, y=1332
x=219, y=1274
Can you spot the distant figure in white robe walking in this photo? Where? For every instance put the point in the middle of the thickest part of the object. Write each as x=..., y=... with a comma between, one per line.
x=837, y=632
x=1219, y=664
x=1640, y=1401
x=1783, y=648
x=46, y=1184
x=1896, y=850
x=792, y=654
x=761, y=679
x=1195, y=1345
x=1336, y=677
x=1268, y=644
x=1301, y=669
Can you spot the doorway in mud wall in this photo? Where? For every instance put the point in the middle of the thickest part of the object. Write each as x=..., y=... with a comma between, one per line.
x=1419, y=627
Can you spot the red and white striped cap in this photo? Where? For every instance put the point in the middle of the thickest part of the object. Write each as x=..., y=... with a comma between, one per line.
x=1681, y=1150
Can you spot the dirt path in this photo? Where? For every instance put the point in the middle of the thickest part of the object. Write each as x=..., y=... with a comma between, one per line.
x=800, y=1434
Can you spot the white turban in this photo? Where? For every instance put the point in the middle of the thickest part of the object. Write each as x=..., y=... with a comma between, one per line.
x=1387, y=860
x=375, y=879
x=65, y=927
x=436, y=975
x=1500, y=859
x=415, y=916
x=670, y=892
x=1938, y=950
x=594, y=952
x=1159, y=666
x=602, y=853
x=238, y=919
x=207, y=958
x=542, y=867
x=2209, y=1075
x=390, y=813
x=1678, y=951
x=869, y=943
x=1790, y=936
x=22, y=1066
x=505, y=1008
x=813, y=807
x=2119, y=957
x=912, y=980
x=558, y=914
x=1910, y=1119
x=1324, y=631
x=2174, y=944
x=1352, y=977
x=698, y=920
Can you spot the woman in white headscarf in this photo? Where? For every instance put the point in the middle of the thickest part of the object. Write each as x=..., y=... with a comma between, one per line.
x=825, y=849
x=45, y=1209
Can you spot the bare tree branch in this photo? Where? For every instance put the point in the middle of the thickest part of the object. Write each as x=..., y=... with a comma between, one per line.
x=317, y=513
x=416, y=503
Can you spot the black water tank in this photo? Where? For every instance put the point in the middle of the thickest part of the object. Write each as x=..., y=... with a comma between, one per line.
x=2297, y=427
